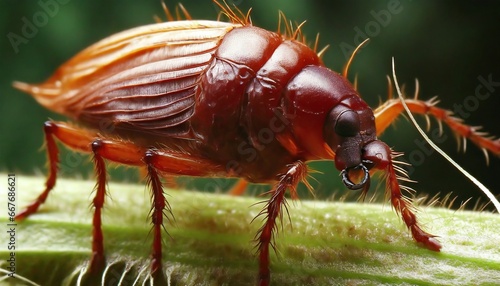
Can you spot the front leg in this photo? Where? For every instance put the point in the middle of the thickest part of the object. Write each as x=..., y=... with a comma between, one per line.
x=382, y=158
x=403, y=206
x=296, y=173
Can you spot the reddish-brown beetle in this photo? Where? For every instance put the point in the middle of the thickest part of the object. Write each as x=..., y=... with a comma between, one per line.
x=191, y=98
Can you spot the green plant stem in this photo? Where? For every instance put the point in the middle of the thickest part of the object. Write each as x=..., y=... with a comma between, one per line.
x=210, y=240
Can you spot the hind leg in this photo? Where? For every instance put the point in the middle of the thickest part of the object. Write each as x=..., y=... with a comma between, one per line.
x=157, y=162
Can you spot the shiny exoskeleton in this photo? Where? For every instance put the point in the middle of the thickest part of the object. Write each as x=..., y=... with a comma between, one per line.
x=209, y=98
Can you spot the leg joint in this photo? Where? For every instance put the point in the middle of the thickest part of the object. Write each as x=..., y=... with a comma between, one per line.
x=48, y=126
x=96, y=145
x=148, y=156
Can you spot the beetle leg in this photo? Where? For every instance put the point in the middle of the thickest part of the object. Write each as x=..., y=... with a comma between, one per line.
x=53, y=160
x=273, y=209
x=97, y=259
x=404, y=207
x=389, y=111
x=170, y=181
x=159, y=205
x=239, y=188
x=157, y=162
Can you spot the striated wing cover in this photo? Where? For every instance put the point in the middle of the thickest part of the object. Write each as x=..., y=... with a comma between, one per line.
x=142, y=80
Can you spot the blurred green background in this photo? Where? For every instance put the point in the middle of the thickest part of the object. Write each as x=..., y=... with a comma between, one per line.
x=445, y=45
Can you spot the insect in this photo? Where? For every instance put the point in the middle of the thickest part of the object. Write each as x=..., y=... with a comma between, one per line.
x=228, y=99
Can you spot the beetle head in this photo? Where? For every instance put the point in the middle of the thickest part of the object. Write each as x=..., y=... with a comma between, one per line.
x=323, y=107
x=350, y=132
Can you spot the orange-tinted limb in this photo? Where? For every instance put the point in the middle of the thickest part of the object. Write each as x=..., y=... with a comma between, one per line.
x=157, y=211
x=52, y=129
x=389, y=111
x=404, y=207
x=122, y=152
x=383, y=159
x=239, y=188
x=157, y=162
x=97, y=260
x=273, y=209
x=53, y=161
x=169, y=181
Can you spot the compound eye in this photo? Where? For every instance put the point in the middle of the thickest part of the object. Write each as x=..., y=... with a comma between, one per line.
x=347, y=124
